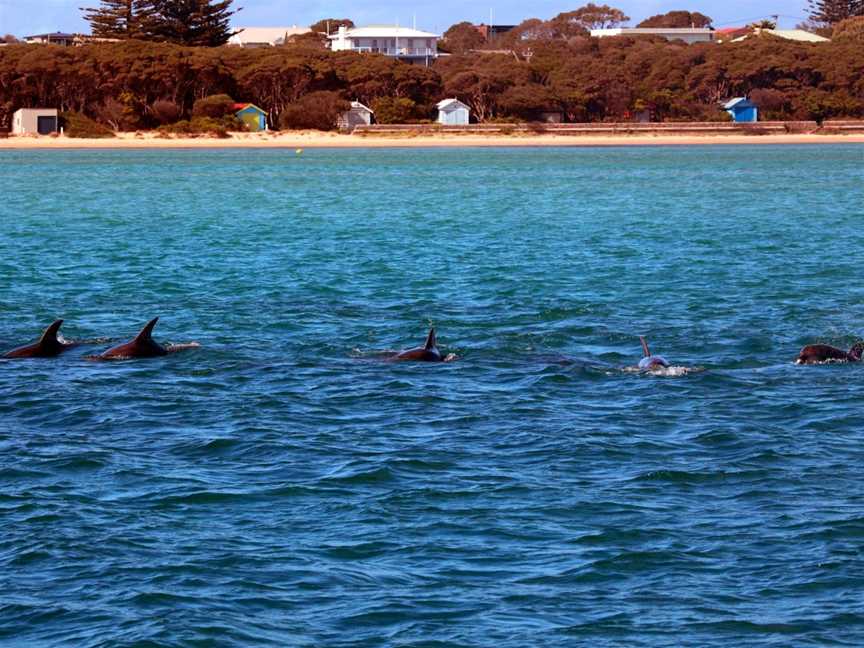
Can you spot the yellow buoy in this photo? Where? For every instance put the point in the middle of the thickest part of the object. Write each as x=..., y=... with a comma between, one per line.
x=299, y=151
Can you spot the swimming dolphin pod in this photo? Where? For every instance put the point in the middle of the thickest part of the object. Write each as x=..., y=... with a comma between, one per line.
x=427, y=353
x=823, y=353
x=50, y=345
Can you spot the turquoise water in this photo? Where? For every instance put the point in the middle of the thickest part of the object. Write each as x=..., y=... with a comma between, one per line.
x=284, y=486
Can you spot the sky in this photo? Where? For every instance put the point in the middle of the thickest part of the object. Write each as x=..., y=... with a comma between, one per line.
x=25, y=17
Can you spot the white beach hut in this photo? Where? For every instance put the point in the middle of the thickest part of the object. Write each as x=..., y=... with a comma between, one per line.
x=359, y=115
x=452, y=112
x=35, y=121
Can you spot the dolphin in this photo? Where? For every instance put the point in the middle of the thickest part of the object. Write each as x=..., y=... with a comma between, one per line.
x=651, y=362
x=143, y=346
x=427, y=353
x=50, y=345
x=820, y=353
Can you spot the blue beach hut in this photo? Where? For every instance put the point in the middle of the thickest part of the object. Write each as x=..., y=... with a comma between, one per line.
x=743, y=110
x=252, y=116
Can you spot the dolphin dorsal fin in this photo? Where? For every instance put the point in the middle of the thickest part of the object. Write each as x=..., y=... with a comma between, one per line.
x=431, y=341
x=146, y=333
x=645, y=349
x=50, y=334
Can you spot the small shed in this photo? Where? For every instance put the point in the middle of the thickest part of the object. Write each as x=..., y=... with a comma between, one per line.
x=743, y=110
x=35, y=121
x=359, y=115
x=252, y=117
x=452, y=112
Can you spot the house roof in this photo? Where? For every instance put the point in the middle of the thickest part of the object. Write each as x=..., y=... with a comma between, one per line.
x=240, y=107
x=60, y=35
x=447, y=103
x=798, y=35
x=270, y=35
x=383, y=31
x=662, y=31
x=788, y=34
x=738, y=102
x=357, y=105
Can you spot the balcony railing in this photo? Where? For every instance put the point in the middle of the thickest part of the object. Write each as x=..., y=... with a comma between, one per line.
x=398, y=51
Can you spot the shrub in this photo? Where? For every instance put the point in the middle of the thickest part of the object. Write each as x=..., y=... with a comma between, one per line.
x=394, y=110
x=214, y=106
x=201, y=126
x=80, y=126
x=315, y=111
x=165, y=111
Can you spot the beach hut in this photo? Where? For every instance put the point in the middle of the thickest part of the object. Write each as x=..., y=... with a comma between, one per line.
x=452, y=112
x=743, y=110
x=252, y=116
x=359, y=115
x=35, y=121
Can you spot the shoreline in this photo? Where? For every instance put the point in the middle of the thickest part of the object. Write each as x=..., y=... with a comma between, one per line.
x=313, y=140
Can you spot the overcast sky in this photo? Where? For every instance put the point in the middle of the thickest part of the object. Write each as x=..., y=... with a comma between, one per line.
x=24, y=17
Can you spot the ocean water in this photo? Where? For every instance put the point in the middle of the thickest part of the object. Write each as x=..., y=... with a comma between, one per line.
x=285, y=486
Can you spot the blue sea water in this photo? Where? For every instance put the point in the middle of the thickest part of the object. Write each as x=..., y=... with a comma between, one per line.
x=285, y=486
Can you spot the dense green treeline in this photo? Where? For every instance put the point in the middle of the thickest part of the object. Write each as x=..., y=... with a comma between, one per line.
x=135, y=84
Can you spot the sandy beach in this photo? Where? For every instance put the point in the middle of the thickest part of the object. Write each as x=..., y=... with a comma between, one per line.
x=315, y=139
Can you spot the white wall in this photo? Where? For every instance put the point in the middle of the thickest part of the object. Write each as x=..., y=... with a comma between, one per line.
x=456, y=116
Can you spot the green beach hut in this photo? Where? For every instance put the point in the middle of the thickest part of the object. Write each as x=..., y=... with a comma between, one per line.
x=252, y=116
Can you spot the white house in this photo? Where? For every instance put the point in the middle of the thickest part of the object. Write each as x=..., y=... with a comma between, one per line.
x=359, y=115
x=56, y=38
x=688, y=35
x=407, y=44
x=452, y=112
x=265, y=36
x=35, y=121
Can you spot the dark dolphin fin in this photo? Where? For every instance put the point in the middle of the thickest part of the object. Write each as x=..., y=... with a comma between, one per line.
x=431, y=341
x=49, y=337
x=645, y=349
x=146, y=334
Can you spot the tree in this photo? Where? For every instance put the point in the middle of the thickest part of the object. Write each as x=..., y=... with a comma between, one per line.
x=569, y=25
x=765, y=23
x=331, y=25
x=850, y=30
x=462, y=37
x=114, y=18
x=835, y=11
x=393, y=110
x=8, y=38
x=592, y=16
x=188, y=22
x=677, y=20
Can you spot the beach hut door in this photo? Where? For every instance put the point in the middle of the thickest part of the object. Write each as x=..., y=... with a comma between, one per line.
x=46, y=125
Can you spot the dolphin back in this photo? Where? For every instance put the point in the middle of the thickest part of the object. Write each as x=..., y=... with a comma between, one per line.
x=48, y=345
